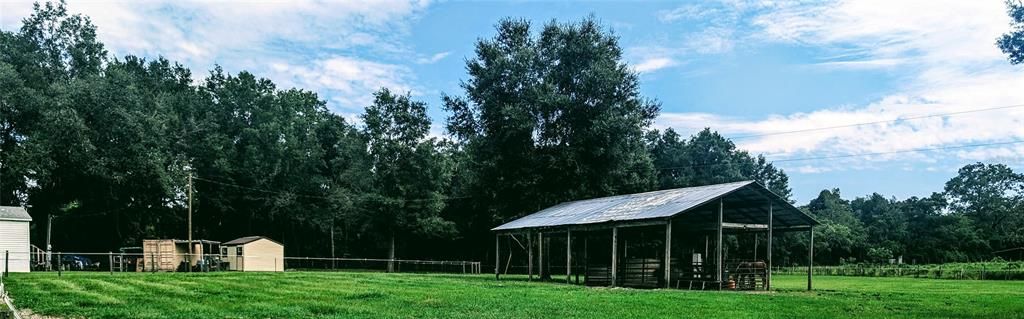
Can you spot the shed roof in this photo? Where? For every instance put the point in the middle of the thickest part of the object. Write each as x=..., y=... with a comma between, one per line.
x=744, y=202
x=248, y=239
x=14, y=213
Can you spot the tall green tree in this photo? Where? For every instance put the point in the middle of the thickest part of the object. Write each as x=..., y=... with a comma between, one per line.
x=939, y=237
x=885, y=224
x=1012, y=43
x=409, y=172
x=551, y=116
x=992, y=196
x=842, y=235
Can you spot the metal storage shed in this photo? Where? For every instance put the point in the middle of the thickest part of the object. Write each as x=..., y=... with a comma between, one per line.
x=700, y=215
x=14, y=239
x=254, y=253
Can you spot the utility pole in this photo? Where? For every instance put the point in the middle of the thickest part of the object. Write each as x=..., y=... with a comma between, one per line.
x=190, y=252
x=334, y=262
x=49, y=248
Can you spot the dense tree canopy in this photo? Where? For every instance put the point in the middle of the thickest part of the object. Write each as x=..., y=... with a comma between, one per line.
x=106, y=145
x=1012, y=43
x=709, y=158
x=551, y=116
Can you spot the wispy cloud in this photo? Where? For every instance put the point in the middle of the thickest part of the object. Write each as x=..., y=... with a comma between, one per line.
x=246, y=35
x=686, y=12
x=710, y=28
x=863, y=64
x=653, y=64
x=350, y=80
x=945, y=54
x=433, y=58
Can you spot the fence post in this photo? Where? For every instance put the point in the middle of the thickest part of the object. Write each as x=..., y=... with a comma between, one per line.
x=110, y=261
x=7, y=263
x=60, y=265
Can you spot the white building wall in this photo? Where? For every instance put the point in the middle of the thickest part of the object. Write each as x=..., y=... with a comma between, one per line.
x=14, y=239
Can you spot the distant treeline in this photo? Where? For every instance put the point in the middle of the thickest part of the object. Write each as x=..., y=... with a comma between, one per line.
x=105, y=145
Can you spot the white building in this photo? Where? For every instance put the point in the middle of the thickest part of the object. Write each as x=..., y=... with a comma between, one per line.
x=14, y=225
x=254, y=253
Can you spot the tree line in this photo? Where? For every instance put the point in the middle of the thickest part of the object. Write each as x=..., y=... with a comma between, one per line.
x=106, y=145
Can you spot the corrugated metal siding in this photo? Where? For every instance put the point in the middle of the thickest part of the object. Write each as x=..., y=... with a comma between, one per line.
x=655, y=204
x=14, y=238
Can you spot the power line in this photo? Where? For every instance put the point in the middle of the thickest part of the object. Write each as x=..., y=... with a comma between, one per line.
x=258, y=189
x=317, y=196
x=879, y=122
x=655, y=168
x=900, y=151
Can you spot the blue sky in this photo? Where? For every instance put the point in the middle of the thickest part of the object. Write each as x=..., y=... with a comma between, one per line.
x=740, y=67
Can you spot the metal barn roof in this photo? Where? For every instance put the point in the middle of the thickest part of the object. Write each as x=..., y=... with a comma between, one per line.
x=742, y=202
x=14, y=213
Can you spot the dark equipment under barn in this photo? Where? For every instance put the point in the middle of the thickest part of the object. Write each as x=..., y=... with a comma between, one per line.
x=670, y=238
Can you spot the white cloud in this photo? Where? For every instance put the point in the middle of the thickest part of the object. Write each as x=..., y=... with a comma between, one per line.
x=653, y=64
x=433, y=58
x=712, y=40
x=863, y=64
x=945, y=54
x=686, y=12
x=352, y=80
x=710, y=29
x=247, y=35
x=931, y=31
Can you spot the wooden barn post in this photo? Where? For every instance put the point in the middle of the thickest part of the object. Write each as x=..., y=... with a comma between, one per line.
x=615, y=255
x=568, y=256
x=540, y=256
x=668, y=254
x=810, y=259
x=497, y=254
x=719, y=274
x=768, y=281
x=529, y=253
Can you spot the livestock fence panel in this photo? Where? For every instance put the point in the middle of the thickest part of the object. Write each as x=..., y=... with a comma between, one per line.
x=164, y=261
x=966, y=271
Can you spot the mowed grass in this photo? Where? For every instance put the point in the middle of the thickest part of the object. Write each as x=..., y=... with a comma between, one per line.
x=380, y=295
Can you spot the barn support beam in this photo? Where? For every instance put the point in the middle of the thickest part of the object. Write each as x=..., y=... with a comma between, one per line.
x=668, y=254
x=810, y=259
x=540, y=256
x=497, y=255
x=719, y=274
x=768, y=278
x=568, y=256
x=615, y=256
x=529, y=254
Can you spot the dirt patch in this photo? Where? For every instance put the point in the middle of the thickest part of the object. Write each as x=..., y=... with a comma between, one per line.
x=28, y=314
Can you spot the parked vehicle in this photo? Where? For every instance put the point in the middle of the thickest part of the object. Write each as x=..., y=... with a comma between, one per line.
x=77, y=262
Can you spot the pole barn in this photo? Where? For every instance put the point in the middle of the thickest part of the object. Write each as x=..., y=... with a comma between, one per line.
x=671, y=238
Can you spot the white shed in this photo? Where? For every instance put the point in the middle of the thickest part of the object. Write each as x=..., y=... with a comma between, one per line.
x=254, y=253
x=14, y=225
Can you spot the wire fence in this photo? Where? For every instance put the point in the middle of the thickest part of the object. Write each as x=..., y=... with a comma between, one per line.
x=980, y=271
x=184, y=262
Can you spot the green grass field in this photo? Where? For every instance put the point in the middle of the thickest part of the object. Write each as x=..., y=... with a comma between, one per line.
x=379, y=295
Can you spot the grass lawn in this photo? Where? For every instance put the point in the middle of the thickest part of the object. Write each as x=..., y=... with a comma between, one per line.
x=379, y=295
